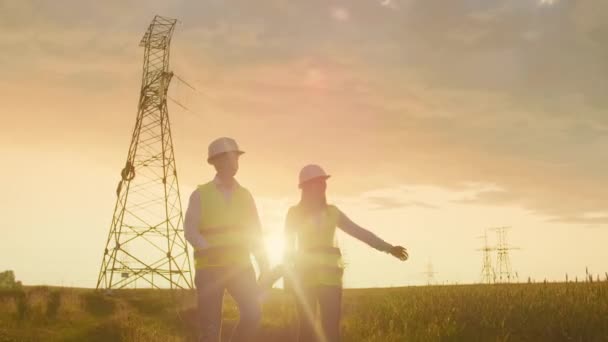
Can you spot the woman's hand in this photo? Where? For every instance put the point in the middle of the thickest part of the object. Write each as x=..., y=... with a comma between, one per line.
x=399, y=252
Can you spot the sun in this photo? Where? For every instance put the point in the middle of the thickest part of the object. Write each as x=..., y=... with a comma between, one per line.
x=275, y=246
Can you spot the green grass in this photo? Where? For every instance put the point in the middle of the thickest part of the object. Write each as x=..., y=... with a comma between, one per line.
x=523, y=312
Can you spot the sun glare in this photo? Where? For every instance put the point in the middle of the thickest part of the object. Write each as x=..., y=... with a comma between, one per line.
x=275, y=246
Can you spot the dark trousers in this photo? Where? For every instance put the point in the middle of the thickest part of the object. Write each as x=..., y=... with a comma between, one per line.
x=329, y=299
x=241, y=284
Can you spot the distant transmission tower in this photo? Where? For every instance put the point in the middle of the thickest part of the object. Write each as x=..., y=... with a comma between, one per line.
x=146, y=236
x=487, y=271
x=503, y=264
x=430, y=274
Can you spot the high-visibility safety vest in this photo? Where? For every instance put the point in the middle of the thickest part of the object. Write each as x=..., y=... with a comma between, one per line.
x=226, y=227
x=317, y=260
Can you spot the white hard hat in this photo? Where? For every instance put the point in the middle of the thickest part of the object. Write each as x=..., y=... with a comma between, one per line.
x=310, y=172
x=222, y=145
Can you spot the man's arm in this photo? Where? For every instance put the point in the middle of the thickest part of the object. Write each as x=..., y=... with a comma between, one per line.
x=289, y=236
x=285, y=269
x=258, y=249
x=362, y=234
x=192, y=220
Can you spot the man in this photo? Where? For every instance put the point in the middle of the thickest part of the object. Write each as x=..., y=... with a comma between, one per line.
x=223, y=227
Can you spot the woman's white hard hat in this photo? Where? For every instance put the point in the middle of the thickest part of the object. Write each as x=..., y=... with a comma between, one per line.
x=311, y=172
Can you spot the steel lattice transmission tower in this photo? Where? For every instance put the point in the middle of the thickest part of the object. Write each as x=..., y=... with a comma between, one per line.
x=146, y=239
x=504, y=273
x=487, y=271
x=430, y=274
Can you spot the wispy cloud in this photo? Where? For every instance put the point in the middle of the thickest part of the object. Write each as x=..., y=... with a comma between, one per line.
x=495, y=92
x=387, y=203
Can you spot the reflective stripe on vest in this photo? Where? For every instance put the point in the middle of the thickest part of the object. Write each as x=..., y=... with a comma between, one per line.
x=225, y=226
x=318, y=259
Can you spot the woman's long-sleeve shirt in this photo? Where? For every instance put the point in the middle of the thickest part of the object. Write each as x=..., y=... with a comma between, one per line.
x=346, y=225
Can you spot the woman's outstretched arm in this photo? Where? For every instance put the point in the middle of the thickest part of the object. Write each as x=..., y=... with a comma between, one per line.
x=371, y=239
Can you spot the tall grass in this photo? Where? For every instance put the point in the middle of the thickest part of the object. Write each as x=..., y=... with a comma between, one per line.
x=523, y=312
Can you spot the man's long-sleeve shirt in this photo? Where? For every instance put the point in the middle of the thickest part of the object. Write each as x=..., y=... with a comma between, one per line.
x=193, y=218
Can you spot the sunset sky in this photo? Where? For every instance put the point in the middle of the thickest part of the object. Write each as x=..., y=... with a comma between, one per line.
x=437, y=119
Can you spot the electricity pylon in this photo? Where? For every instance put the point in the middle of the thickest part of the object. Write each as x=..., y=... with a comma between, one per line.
x=487, y=271
x=430, y=274
x=146, y=236
x=503, y=263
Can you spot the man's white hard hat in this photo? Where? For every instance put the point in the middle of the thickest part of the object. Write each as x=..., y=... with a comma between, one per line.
x=222, y=145
x=310, y=172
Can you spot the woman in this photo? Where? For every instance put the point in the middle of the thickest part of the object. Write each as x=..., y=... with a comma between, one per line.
x=313, y=262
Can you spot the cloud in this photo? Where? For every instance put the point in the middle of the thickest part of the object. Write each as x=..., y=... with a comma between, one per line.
x=436, y=93
x=389, y=4
x=387, y=203
x=491, y=197
x=582, y=220
x=547, y=2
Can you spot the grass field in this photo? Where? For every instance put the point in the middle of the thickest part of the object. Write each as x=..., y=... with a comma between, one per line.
x=523, y=312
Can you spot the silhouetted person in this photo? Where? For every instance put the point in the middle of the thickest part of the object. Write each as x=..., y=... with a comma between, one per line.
x=223, y=226
x=313, y=265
